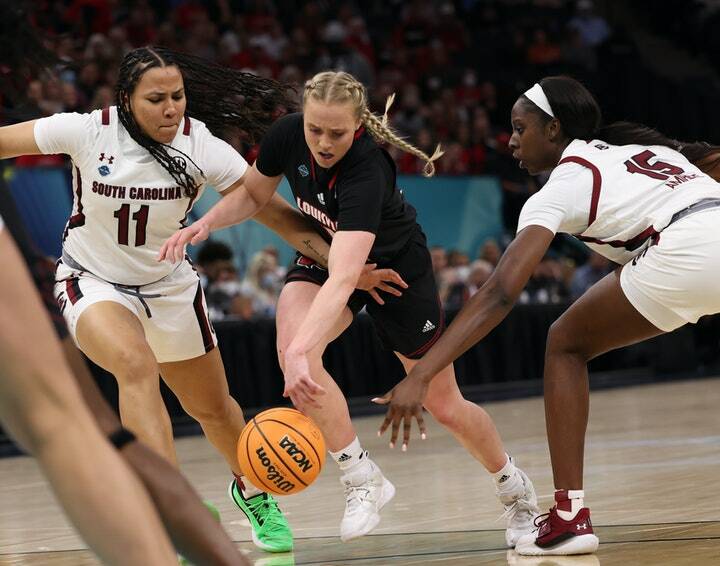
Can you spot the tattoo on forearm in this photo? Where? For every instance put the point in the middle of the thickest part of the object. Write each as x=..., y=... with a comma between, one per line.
x=309, y=246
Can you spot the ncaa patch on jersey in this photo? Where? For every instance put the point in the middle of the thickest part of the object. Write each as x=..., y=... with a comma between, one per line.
x=303, y=170
x=104, y=170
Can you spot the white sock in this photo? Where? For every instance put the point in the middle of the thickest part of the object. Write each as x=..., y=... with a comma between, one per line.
x=350, y=456
x=568, y=502
x=504, y=475
x=248, y=489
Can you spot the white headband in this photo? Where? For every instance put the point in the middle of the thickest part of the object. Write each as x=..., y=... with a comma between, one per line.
x=537, y=95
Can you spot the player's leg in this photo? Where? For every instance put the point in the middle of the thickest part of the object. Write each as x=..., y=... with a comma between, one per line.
x=113, y=337
x=193, y=529
x=42, y=407
x=476, y=431
x=201, y=387
x=333, y=417
x=366, y=489
x=601, y=320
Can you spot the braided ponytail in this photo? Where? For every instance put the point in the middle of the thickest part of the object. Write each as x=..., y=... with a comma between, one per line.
x=341, y=87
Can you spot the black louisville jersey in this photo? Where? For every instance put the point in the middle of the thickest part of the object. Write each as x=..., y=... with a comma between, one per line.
x=357, y=193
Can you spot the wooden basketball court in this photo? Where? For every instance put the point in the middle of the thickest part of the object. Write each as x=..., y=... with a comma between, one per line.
x=652, y=470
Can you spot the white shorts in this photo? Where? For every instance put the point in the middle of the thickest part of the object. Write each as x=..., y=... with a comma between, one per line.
x=676, y=281
x=172, y=311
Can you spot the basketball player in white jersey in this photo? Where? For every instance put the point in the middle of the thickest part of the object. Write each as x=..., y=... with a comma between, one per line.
x=138, y=167
x=635, y=197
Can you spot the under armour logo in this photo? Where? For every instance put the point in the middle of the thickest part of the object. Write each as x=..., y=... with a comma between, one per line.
x=109, y=159
x=581, y=526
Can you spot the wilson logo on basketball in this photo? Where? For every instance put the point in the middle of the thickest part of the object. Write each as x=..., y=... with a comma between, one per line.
x=273, y=474
x=281, y=451
x=295, y=453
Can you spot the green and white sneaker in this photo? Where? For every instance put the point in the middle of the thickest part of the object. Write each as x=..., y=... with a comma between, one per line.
x=270, y=529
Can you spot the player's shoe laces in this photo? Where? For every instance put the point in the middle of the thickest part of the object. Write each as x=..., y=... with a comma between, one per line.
x=556, y=536
x=270, y=529
x=521, y=508
x=366, y=492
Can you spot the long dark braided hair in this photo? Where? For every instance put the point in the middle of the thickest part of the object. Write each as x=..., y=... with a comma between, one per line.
x=226, y=100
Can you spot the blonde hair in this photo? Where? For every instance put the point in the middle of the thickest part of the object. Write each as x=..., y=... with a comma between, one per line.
x=341, y=87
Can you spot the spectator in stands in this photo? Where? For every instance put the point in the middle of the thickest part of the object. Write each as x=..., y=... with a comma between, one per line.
x=261, y=287
x=490, y=252
x=585, y=276
x=480, y=272
x=592, y=28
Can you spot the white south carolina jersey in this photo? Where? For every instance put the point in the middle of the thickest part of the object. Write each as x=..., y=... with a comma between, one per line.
x=125, y=204
x=616, y=198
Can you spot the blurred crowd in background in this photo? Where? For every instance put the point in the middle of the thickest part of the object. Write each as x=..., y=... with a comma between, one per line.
x=455, y=66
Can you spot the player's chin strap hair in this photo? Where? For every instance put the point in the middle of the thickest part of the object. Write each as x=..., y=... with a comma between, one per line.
x=537, y=96
x=341, y=87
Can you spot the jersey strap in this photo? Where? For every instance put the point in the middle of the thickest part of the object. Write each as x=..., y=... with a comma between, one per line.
x=106, y=116
x=186, y=126
x=597, y=183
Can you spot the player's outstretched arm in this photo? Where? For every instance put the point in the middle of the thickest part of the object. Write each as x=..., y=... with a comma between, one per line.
x=241, y=201
x=18, y=139
x=483, y=312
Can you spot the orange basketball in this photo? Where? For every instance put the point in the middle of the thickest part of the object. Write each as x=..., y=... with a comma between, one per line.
x=281, y=451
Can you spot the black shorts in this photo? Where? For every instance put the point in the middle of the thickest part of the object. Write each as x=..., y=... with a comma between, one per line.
x=409, y=324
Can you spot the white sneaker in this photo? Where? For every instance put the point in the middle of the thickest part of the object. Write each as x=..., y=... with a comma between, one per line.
x=521, y=508
x=366, y=492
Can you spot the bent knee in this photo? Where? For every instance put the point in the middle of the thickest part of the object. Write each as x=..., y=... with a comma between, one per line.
x=564, y=340
x=134, y=364
x=445, y=409
x=208, y=410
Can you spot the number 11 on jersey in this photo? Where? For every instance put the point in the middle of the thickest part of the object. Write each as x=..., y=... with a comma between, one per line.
x=141, y=219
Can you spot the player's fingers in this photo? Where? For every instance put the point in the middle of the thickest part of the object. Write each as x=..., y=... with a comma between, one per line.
x=393, y=276
x=390, y=289
x=313, y=388
x=407, y=428
x=421, y=423
x=385, y=424
x=374, y=294
x=395, y=429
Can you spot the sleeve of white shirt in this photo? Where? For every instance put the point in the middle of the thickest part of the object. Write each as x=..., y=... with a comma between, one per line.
x=563, y=204
x=223, y=165
x=68, y=133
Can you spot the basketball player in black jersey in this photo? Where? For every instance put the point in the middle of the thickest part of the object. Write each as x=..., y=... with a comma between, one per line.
x=346, y=184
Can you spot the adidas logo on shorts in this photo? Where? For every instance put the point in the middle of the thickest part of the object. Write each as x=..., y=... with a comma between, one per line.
x=428, y=326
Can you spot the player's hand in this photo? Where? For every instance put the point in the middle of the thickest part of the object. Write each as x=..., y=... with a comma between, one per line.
x=373, y=280
x=405, y=402
x=173, y=249
x=299, y=386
